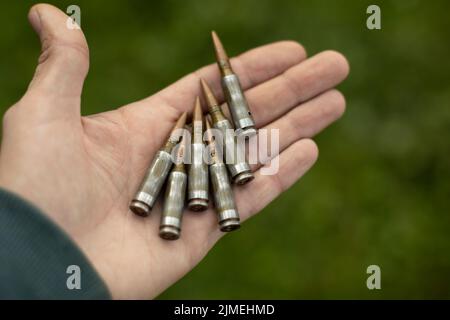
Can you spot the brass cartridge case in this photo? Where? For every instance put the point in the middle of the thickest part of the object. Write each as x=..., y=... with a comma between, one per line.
x=234, y=95
x=174, y=198
x=224, y=202
x=198, y=183
x=148, y=192
x=240, y=170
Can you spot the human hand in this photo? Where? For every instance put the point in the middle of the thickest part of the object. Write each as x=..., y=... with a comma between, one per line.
x=83, y=171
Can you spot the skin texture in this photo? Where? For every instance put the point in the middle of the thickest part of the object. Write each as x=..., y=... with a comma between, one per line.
x=83, y=171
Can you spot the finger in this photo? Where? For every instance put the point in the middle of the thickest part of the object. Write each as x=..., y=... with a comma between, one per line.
x=300, y=83
x=64, y=61
x=305, y=121
x=253, y=67
x=293, y=163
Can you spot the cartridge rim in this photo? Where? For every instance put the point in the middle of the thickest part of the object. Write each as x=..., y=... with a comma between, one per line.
x=145, y=198
x=229, y=225
x=243, y=178
x=247, y=132
x=169, y=233
x=140, y=208
x=198, y=205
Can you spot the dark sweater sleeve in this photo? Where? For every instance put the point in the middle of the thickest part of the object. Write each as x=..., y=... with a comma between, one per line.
x=36, y=255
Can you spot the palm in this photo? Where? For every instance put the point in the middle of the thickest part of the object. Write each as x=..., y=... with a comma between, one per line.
x=102, y=159
x=135, y=253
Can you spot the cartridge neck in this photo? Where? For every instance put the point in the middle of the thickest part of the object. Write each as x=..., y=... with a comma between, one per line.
x=216, y=114
x=179, y=167
x=175, y=134
x=170, y=144
x=225, y=67
x=174, y=138
x=197, y=131
x=212, y=149
x=180, y=154
x=179, y=158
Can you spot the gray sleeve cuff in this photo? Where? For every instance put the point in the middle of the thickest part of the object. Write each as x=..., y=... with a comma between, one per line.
x=35, y=255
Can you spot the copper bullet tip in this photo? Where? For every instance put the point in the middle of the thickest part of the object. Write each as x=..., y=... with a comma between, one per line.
x=208, y=133
x=174, y=134
x=208, y=124
x=198, y=113
x=181, y=122
x=221, y=55
x=211, y=100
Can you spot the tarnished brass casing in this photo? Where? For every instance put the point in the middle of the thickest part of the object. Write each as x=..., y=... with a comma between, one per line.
x=234, y=152
x=224, y=202
x=151, y=185
x=234, y=95
x=173, y=206
x=175, y=196
x=198, y=183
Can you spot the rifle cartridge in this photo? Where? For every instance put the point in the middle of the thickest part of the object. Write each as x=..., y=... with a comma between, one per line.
x=227, y=213
x=170, y=226
x=151, y=185
x=198, y=171
x=234, y=153
x=237, y=103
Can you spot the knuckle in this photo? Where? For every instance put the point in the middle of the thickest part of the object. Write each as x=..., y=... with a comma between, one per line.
x=72, y=55
x=65, y=52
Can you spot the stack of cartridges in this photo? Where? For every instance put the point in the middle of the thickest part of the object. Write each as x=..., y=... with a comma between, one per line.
x=207, y=154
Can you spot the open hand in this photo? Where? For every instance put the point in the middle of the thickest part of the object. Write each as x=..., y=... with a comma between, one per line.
x=83, y=171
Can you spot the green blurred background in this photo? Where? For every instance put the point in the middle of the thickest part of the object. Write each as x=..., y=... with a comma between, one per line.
x=380, y=191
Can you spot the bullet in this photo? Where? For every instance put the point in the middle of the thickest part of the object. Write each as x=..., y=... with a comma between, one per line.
x=227, y=213
x=239, y=169
x=237, y=103
x=170, y=226
x=157, y=173
x=198, y=170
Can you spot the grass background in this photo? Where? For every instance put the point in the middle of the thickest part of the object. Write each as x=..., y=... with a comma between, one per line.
x=379, y=193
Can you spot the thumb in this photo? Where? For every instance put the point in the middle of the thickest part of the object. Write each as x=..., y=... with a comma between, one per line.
x=64, y=61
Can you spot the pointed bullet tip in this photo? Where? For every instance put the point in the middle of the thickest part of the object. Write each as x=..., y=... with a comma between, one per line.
x=208, y=129
x=198, y=114
x=205, y=86
x=181, y=121
x=221, y=54
x=216, y=40
x=207, y=92
x=208, y=124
